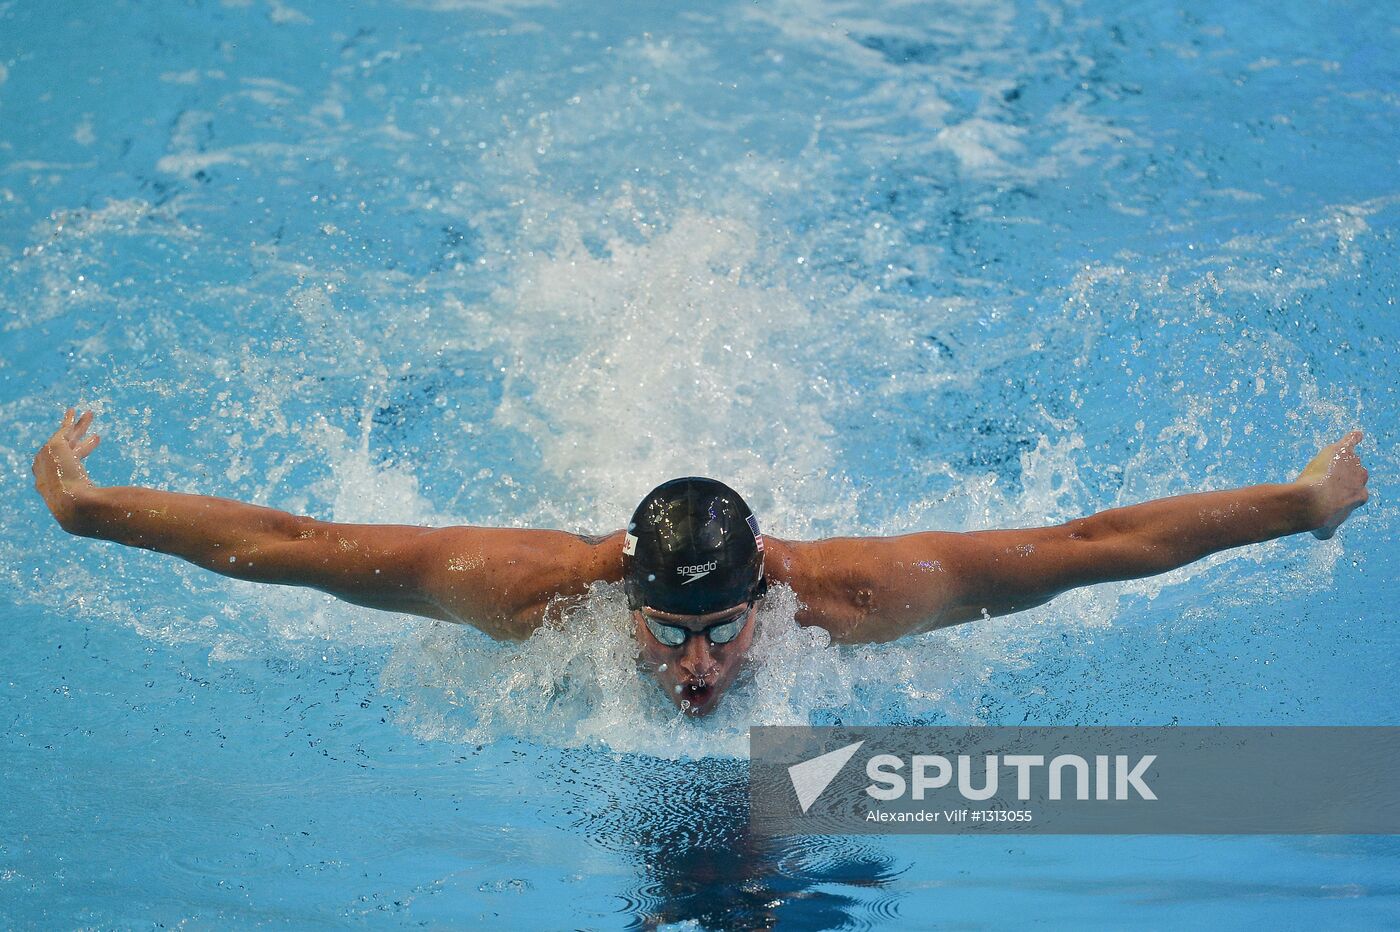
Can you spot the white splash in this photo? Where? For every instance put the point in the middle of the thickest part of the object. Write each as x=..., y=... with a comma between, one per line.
x=580, y=684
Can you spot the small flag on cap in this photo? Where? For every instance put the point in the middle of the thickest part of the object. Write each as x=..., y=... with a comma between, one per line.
x=757, y=537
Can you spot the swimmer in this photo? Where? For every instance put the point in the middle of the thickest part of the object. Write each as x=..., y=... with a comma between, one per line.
x=692, y=560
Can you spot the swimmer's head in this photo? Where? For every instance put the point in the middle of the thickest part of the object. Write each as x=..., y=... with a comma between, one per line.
x=692, y=548
x=693, y=572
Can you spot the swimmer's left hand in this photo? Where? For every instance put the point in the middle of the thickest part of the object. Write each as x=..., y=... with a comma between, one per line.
x=1336, y=484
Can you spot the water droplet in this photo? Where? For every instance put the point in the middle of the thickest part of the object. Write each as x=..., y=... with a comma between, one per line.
x=679, y=687
x=651, y=577
x=662, y=668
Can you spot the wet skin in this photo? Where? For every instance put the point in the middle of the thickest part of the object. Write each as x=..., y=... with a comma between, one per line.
x=701, y=669
x=507, y=581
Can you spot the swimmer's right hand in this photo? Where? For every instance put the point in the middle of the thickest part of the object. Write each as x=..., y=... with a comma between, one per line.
x=58, y=468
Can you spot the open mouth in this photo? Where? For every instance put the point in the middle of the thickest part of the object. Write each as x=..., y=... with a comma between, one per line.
x=696, y=695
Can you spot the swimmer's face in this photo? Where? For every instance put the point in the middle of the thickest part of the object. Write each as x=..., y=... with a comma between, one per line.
x=695, y=673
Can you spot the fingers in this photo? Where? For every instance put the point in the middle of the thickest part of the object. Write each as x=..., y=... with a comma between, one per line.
x=1349, y=442
x=79, y=427
x=73, y=426
x=88, y=445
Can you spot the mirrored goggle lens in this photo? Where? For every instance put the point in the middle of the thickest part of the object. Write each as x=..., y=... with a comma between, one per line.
x=670, y=635
x=723, y=634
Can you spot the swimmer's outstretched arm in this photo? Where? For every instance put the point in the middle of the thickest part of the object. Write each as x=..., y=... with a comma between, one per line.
x=501, y=580
x=882, y=588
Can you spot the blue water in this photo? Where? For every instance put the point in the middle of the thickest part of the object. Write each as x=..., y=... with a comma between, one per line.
x=879, y=266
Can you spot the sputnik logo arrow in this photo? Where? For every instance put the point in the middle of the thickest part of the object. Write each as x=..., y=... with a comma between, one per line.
x=811, y=777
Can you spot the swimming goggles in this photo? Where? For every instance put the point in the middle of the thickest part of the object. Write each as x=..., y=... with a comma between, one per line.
x=719, y=633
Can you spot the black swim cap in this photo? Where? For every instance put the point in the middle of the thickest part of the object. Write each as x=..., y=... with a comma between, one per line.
x=692, y=548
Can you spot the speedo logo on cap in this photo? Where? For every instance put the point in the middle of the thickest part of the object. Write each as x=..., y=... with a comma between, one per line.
x=698, y=571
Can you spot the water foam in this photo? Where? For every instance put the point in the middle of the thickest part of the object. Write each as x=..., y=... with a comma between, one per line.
x=668, y=357
x=578, y=684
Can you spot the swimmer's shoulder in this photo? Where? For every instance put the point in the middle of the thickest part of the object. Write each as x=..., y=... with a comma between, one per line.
x=582, y=557
x=818, y=566
x=503, y=580
x=863, y=589
x=827, y=577
x=571, y=560
x=600, y=559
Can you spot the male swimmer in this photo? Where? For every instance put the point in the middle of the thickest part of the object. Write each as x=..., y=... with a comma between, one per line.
x=693, y=562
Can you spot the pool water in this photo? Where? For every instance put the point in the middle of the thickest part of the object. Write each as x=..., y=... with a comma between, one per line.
x=881, y=267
